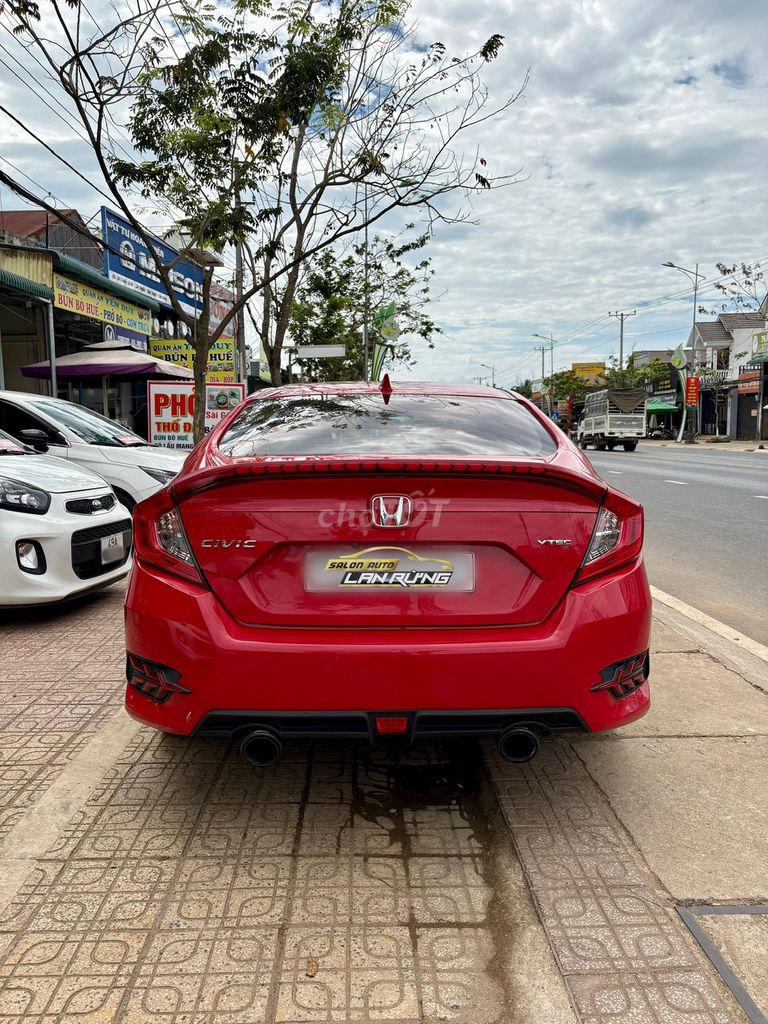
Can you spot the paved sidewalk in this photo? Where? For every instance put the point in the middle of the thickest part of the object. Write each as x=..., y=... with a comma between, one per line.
x=148, y=879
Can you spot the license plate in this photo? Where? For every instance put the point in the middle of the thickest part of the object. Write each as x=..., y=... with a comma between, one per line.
x=389, y=568
x=112, y=548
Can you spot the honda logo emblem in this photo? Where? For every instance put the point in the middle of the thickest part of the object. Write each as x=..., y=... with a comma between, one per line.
x=391, y=510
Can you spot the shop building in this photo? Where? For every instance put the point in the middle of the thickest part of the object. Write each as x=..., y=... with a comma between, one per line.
x=53, y=304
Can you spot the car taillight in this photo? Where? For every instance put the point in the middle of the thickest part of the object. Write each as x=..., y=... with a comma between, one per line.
x=160, y=539
x=617, y=538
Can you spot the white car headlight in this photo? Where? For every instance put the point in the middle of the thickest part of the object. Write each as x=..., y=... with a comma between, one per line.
x=162, y=476
x=21, y=497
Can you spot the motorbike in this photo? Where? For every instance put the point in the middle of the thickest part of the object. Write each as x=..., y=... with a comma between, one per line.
x=662, y=434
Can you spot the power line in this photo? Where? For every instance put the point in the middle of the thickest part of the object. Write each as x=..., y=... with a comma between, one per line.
x=46, y=71
x=26, y=84
x=53, y=152
x=25, y=194
x=29, y=177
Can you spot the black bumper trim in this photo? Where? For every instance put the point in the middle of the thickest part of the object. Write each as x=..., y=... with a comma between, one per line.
x=422, y=725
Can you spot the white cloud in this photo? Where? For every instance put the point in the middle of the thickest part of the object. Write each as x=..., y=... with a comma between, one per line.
x=626, y=166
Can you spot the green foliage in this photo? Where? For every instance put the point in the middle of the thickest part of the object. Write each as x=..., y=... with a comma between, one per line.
x=236, y=90
x=566, y=383
x=632, y=376
x=743, y=287
x=525, y=389
x=330, y=305
x=490, y=49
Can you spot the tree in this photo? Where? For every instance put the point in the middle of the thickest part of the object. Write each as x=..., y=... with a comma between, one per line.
x=743, y=286
x=631, y=376
x=367, y=151
x=524, y=388
x=331, y=307
x=566, y=383
x=283, y=139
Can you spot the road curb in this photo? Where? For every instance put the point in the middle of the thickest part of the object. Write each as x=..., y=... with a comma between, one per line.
x=733, y=636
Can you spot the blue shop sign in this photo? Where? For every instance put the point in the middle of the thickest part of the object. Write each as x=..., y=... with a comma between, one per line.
x=135, y=267
x=125, y=336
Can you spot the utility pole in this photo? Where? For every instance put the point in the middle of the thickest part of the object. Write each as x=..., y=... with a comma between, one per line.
x=240, y=316
x=621, y=317
x=366, y=286
x=492, y=368
x=551, y=339
x=542, y=349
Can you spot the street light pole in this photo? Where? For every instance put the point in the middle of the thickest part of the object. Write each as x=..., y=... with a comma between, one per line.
x=693, y=276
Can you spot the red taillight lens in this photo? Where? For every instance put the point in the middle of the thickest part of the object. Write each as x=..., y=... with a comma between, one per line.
x=160, y=539
x=617, y=539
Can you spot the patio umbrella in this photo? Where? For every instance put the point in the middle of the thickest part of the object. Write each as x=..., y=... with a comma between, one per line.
x=108, y=359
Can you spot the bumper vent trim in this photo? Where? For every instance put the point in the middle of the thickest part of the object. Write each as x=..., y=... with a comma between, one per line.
x=624, y=677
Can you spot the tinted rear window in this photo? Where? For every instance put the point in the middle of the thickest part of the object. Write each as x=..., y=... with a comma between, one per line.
x=409, y=425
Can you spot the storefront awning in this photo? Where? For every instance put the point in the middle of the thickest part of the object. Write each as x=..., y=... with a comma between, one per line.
x=656, y=406
x=23, y=284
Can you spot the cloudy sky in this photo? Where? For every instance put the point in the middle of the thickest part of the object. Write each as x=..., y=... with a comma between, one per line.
x=641, y=137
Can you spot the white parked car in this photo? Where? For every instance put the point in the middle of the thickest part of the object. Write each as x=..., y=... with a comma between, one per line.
x=62, y=530
x=133, y=468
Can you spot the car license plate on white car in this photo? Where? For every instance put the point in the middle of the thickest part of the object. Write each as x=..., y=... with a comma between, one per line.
x=112, y=548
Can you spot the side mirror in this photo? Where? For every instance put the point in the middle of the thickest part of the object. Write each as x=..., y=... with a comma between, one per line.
x=37, y=438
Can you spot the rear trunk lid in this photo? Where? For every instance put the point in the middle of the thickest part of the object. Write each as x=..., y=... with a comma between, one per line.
x=292, y=543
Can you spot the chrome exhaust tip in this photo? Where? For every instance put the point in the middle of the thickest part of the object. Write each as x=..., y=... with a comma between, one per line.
x=518, y=744
x=261, y=748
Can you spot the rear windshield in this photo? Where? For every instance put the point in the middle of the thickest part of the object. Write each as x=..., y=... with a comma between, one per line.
x=408, y=425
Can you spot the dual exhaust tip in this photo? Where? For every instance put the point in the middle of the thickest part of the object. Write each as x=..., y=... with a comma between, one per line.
x=518, y=744
x=261, y=747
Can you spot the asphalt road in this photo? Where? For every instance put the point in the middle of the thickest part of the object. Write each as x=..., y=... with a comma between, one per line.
x=706, y=526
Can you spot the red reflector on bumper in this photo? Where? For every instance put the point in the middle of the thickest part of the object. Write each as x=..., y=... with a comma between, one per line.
x=389, y=726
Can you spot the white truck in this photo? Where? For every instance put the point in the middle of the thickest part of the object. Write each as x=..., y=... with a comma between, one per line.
x=613, y=417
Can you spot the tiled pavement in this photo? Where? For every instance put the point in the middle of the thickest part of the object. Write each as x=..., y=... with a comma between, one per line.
x=61, y=674
x=618, y=941
x=342, y=885
x=191, y=888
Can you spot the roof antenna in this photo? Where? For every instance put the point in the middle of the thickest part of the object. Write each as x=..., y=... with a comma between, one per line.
x=386, y=389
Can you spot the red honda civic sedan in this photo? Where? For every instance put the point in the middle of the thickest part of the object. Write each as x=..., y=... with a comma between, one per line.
x=382, y=561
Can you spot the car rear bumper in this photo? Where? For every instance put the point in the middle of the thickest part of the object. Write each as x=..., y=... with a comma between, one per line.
x=236, y=675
